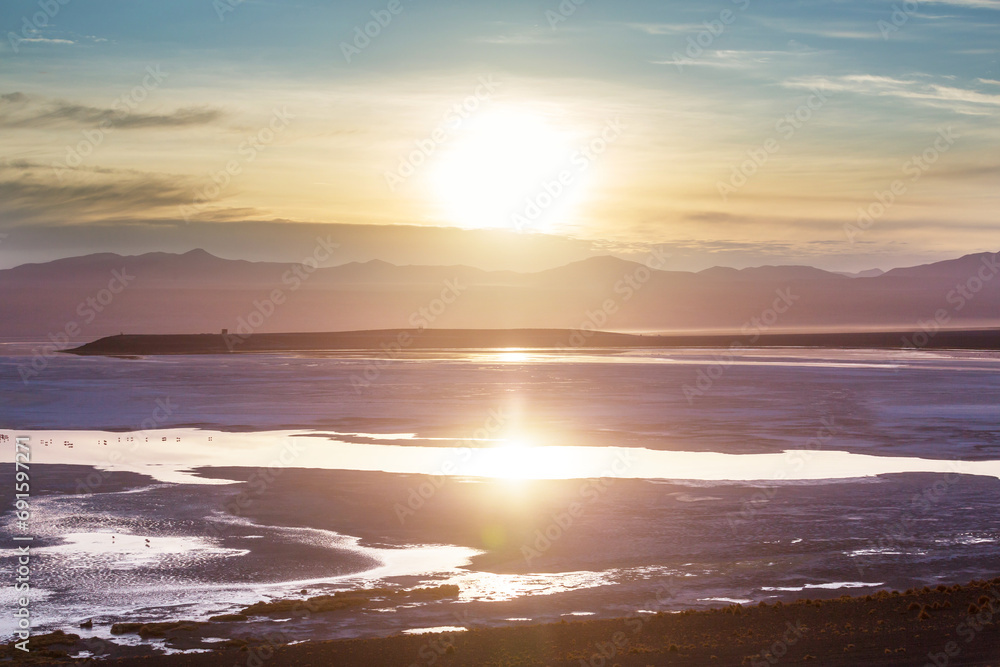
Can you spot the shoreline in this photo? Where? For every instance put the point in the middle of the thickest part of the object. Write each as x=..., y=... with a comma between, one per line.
x=355, y=633
x=216, y=457
x=395, y=341
x=952, y=625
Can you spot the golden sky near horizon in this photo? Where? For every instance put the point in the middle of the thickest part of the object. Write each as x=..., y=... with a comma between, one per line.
x=737, y=128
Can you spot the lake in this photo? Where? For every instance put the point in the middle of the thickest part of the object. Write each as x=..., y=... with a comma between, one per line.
x=544, y=485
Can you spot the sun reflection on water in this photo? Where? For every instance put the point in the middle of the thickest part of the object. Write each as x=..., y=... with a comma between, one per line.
x=512, y=355
x=512, y=460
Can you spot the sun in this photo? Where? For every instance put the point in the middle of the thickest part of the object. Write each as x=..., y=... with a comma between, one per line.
x=501, y=170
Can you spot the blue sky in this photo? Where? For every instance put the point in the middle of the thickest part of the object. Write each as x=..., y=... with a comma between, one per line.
x=698, y=88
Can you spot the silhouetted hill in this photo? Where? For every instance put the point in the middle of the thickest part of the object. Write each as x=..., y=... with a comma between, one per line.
x=770, y=273
x=960, y=269
x=869, y=273
x=557, y=339
x=196, y=291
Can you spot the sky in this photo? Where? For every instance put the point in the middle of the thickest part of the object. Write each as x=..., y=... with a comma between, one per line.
x=519, y=135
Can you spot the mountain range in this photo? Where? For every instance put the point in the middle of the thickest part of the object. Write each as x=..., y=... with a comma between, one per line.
x=103, y=294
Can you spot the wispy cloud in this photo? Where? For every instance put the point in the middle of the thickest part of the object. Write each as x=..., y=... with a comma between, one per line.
x=505, y=33
x=977, y=4
x=45, y=40
x=734, y=59
x=714, y=61
x=786, y=26
x=29, y=192
x=959, y=100
x=666, y=28
x=48, y=36
x=18, y=110
x=828, y=30
x=833, y=33
x=516, y=39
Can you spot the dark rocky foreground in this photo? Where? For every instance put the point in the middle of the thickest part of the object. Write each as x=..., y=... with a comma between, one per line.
x=942, y=626
x=398, y=340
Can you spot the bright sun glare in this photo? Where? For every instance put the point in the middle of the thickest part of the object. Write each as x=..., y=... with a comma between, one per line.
x=498, y=166
x=512, y=355
x=512, y=460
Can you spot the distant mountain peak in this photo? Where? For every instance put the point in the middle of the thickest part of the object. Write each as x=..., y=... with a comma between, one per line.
x=770, y=272
x=198, y=291
x=598, y=263
x=963, y=266
x=867, y=273
x=199, y=252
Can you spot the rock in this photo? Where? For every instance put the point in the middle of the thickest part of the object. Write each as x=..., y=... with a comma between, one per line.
x=223, y=618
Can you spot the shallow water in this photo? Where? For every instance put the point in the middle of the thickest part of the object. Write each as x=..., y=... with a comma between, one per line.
x=935, y=405
x=797, y=473
x=174, y=455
